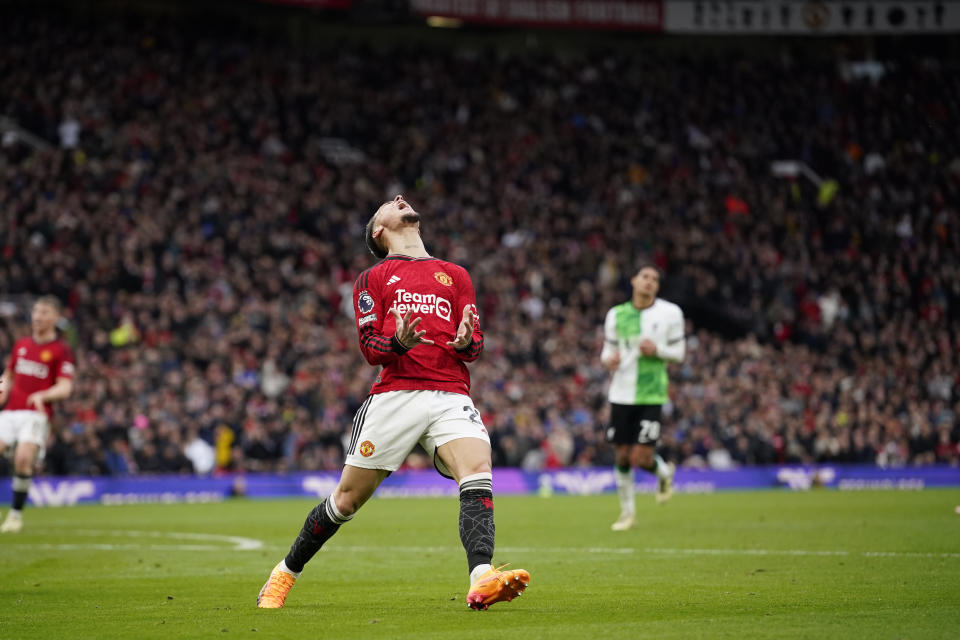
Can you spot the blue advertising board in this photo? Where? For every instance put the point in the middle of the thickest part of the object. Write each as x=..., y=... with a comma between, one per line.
x=56, y=491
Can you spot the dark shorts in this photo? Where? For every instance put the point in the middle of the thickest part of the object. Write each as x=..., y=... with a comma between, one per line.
x=634, y=424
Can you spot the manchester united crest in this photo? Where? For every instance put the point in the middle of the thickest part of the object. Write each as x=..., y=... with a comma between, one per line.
x=366, y=448
x=443, y=278
x=46, y=356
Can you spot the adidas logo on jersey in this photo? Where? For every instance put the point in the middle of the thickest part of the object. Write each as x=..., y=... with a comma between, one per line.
x=393, y=280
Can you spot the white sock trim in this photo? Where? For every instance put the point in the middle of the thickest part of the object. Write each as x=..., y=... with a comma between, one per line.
x=478, y=571
x=483, y=480
x=334, y=512
x=22, y=483
x=283, y=567
x=624, y=481
x=663, y=470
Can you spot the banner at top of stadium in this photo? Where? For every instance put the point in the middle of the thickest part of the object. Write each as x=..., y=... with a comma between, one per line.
x=733, y=17
x=715, y=17
x=806, y=17
x=641, y=15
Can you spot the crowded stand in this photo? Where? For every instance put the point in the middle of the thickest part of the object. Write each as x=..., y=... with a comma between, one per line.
x=200, y=212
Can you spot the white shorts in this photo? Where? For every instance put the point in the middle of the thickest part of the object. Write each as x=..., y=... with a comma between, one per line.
x=389, y=425
x=24, y=426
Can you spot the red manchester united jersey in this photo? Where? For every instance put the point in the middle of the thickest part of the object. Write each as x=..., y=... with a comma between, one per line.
x=36, y=367
x=432, y=289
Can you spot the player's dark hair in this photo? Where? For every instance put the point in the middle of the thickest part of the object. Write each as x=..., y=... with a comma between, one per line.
x=646, y=264
x=52, y=301
x=379, y=252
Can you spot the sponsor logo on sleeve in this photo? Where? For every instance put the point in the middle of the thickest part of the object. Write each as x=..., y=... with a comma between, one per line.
x=66, y=369
x=365, y=302
x=366, y=319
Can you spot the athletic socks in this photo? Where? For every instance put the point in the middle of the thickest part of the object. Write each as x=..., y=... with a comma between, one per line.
x=21, y=486
x=624, y=480
x=324, y=521
x=478, y=571
x=476, y=520
x=661, y=468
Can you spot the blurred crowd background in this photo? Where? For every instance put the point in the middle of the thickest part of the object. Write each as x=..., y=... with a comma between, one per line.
x=201, y=205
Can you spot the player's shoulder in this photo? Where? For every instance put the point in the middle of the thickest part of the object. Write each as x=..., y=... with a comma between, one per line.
x=454, y=269
x=433, y=262
x=669, y=307
x=63, y=345
x=367, y=276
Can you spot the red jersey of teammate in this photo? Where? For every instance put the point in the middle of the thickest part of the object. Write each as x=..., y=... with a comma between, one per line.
x=432, y=289
x=36, y=367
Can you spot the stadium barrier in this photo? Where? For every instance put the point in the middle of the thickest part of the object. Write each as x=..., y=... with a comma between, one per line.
x=65, y=491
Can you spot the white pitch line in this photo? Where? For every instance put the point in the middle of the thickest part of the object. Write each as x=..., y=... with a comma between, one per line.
x=96, y=546
x=252, y=544
x=238, y=543
x=666, y=551
x=803, y=552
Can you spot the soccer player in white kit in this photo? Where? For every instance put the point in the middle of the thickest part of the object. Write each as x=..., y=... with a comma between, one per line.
x=639, y=338
x=40, y=371
x=416, y=316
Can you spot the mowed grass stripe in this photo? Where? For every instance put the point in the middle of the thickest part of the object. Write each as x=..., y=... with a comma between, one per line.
x=765, y=564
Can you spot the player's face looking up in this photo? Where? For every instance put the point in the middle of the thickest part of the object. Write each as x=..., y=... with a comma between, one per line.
x=393, y=216
x=44, y=317
x=646, y=282
x=397, y=213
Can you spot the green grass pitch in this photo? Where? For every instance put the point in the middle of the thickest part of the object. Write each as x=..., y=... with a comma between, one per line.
x=769, y=564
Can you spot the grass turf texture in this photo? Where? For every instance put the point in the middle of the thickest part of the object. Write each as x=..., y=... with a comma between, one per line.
x=730, y=565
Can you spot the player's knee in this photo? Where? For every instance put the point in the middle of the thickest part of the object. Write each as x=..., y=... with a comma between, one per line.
x=643, y=457
x=346, y=503
x=645, y=461
x=478, y=466
x=23, y=463
x=23, y=468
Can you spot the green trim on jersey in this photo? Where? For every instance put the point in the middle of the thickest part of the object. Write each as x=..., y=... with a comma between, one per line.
x=651, y=381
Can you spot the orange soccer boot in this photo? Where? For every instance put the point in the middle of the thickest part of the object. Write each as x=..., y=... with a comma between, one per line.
x=497, y=585
x=274, y=592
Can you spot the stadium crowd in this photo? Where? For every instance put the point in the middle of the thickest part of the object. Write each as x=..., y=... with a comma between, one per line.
x=201, y=211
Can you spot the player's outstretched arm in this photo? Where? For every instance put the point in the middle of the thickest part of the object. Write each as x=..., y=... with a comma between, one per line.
x=376, y=347
x=61, y=389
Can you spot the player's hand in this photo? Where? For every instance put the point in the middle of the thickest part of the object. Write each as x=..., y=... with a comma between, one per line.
x=407, y=333
x=613, y=362
x=648, y=348
x=465, y=330
x=35, y=400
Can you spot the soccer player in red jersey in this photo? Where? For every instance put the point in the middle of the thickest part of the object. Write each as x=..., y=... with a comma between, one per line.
x=416, y=316
x=40, y=371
